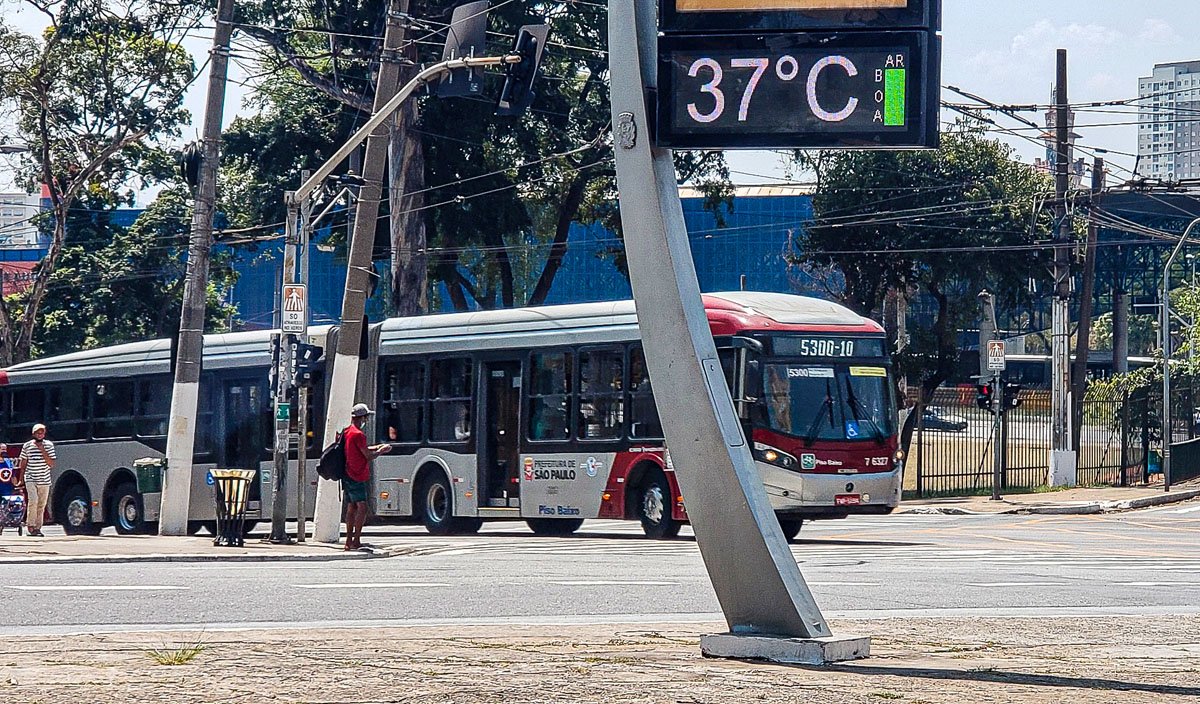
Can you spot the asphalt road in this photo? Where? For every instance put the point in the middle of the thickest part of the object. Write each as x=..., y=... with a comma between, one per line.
x=1145, y=562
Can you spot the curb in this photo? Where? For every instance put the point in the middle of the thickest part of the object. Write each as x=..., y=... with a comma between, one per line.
x=366, y=554
x=1081, y=509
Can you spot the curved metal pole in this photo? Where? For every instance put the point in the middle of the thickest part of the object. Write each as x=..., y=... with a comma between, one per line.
x=1164, y=325
x=754, y=574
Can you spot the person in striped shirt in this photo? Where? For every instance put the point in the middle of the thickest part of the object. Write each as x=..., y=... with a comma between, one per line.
x=34, y=465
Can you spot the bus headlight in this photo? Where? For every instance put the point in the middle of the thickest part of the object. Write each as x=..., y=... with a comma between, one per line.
x=775, y=456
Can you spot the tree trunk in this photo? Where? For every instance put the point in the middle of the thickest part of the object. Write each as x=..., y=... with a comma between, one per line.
x=562, y=229
x=406, y=167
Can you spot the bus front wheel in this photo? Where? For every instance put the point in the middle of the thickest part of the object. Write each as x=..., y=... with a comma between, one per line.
x=557, y=527
x=654, y=508
x=75, y=512
x=127, y=512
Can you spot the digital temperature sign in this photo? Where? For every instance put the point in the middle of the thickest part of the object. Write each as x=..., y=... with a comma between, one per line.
x=770, y=15
x=854, y=89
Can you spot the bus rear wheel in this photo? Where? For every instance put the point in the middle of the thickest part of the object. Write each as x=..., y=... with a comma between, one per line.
x=560, y=527
x=791, y=527
x=654, y=508
x=74, y=512
x=127, y=512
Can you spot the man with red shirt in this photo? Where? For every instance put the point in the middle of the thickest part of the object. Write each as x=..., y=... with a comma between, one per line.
x=358, y=473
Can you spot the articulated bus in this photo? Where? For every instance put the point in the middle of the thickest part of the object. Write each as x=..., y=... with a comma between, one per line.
x=106, y=408
x=546, y=414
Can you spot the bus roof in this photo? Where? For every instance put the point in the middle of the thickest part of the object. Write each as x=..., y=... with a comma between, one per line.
x=221, y=351
x=608, y=321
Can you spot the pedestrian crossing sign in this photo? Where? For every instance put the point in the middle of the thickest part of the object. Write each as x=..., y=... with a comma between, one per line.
x=295, y=309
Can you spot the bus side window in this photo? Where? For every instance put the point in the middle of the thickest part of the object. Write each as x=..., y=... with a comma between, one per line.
x=601, y=394
x=403, y=402
x=550, y=396
x=451, y=381
x=643, y=414
x=153, y=406
x=67, y=412
x=28, y=407
x=112, y=409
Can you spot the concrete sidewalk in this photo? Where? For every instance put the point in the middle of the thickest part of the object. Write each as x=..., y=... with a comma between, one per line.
x=1080, y=500
x=1049, y=660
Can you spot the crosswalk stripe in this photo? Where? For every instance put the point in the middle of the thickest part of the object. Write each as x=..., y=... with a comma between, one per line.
x=95, y=588
x=371, y=585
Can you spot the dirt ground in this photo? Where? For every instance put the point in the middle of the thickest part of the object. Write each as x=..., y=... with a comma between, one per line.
x=1059, y=660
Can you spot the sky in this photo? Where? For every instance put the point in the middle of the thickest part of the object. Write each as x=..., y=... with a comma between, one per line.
x=1002, y=50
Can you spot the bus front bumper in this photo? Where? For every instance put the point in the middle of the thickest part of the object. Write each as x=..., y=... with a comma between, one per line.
x=802, y=493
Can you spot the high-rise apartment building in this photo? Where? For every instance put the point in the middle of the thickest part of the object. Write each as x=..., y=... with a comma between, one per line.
x=1169, y=122
x=18, y=227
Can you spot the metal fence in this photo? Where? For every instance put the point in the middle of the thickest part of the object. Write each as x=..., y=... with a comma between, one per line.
x=953, y=444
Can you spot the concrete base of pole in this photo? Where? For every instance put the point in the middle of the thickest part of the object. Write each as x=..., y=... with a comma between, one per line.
x=1062, y=468
x=796, y=651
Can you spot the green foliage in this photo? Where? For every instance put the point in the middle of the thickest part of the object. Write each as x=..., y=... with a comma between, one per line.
x=118, y=285
x=94, y=97
x=498, y=194
x=932, y=225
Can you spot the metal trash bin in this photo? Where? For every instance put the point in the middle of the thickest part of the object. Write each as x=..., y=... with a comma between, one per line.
x=231, y=489
x=149, y=473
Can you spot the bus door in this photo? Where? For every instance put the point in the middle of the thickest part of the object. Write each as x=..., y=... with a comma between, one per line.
x=498, y=449
x=246, y=434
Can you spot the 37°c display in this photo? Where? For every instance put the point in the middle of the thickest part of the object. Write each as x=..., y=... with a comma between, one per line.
x=860, y=89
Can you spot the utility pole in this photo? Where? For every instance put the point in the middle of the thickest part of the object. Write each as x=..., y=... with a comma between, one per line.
x=1083, y=331
x=181, y=434
x=1062, y=458
x=344, y=381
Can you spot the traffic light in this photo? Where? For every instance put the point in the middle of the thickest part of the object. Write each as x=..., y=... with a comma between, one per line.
x=305, y=358
x=985, y=396
x=517, y=93
x=1012, y=392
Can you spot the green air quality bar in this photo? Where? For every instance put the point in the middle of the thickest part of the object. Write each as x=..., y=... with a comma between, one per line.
x=894, y=92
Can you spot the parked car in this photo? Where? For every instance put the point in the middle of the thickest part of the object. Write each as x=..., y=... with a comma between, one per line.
x=935, y=418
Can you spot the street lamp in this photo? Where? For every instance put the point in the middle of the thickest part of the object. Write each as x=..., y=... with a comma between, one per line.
x=1165, y=332
x=13, y=148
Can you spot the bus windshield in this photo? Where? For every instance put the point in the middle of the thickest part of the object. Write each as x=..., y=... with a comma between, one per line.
x=827, y=402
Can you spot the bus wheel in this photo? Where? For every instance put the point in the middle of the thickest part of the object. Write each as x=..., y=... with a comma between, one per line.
x=791, y=527
x=554, y=526
x=437, y=505
x=654, y=508
x=75, y=512
x=127, y=512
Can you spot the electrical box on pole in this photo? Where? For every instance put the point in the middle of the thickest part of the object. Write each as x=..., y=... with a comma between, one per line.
x=517, y=94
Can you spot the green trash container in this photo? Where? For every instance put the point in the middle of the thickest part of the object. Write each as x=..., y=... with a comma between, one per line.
x=149, y=473
x=231, y=491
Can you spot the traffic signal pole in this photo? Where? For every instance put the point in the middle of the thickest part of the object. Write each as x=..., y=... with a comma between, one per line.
x=1062, y=457
x=344, y=375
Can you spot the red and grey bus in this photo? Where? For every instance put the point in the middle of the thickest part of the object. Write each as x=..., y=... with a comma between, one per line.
x=546, y=414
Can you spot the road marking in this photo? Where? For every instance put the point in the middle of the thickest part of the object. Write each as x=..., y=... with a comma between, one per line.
x=95, y=588
x=371, y=585
x=1016, y=584
x=1158, y=584
x=1187, y=510
x=614, y=583
x=843, y=584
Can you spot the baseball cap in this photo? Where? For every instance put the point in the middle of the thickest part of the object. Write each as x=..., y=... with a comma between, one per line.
x=38, y=426
x=360, y=410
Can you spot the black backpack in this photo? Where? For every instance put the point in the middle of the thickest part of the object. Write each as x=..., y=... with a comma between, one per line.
x=332, y=464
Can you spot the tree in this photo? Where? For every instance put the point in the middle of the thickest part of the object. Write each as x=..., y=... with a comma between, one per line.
x=115, y=284
x=94, y=96
x=938, y=225
x=482, y=203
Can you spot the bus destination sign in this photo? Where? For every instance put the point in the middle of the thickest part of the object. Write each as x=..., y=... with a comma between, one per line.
x=853, y=89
